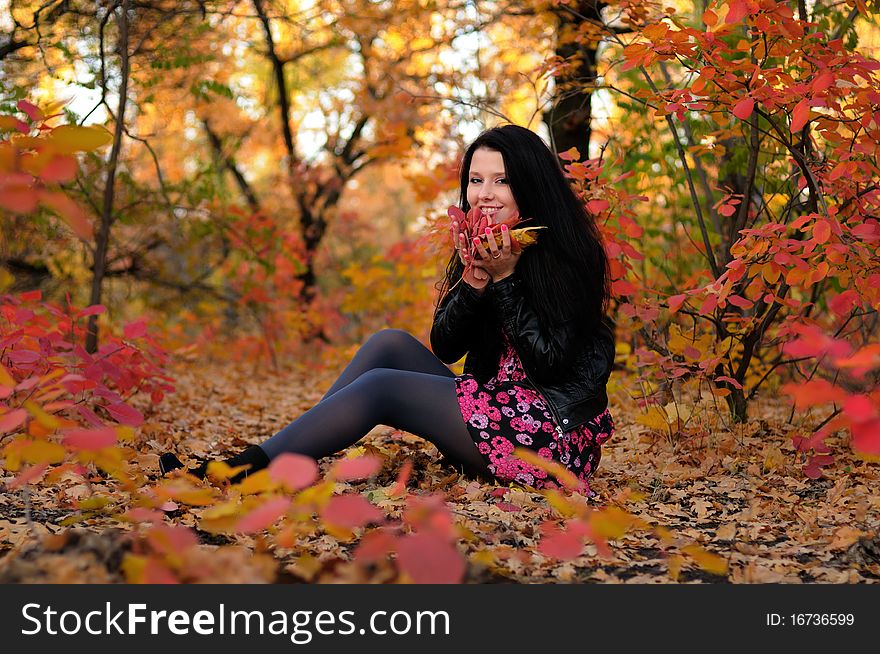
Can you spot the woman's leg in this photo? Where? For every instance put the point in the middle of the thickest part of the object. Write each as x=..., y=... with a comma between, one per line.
x=423, y=404
x=390, y=348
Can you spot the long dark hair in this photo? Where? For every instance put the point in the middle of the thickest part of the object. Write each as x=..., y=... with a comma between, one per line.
x=566, y=273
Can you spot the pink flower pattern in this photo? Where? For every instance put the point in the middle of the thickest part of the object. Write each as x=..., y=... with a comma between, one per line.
x=503, y=414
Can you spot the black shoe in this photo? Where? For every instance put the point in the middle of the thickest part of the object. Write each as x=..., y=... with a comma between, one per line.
x=169, y=462
x=254, y=456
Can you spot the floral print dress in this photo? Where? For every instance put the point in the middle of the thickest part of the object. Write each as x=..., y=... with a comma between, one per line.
x=503, y=414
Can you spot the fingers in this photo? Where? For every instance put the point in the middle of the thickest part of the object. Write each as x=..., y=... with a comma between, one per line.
x=505, y=241
x=480, y=250
x=493, y=246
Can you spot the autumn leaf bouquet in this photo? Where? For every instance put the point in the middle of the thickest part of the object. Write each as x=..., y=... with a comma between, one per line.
x=475, y=223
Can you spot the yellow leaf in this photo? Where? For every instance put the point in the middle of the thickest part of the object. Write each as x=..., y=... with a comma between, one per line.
x=611, y=522
x=318, y=494
x=258, y=482
x=483, y=557
x=134, y=567
x=655, y=418
x=221, y=470
x=93, y=502
x=43, y=452
x=68, y=139
x=675, y=563
x=709, y=562
x=559, y=502
x=5, y=378
x=46, y=420
x=222, y=511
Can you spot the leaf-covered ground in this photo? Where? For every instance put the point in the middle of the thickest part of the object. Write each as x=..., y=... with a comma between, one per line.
x=737, y=491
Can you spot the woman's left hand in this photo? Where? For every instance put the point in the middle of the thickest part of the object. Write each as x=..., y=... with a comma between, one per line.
x=498, y=262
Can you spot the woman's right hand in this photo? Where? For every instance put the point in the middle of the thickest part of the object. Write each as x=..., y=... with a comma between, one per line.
x=473, y=275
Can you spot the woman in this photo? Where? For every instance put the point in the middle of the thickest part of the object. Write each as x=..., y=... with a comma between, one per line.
x=531, y=322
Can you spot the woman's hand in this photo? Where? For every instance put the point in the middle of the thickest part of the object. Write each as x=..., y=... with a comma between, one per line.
x=498, y=263
x=474, y=276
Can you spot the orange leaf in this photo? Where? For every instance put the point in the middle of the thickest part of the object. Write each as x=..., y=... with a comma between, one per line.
x=800, y=115
x=821, y=231
x=69, y=211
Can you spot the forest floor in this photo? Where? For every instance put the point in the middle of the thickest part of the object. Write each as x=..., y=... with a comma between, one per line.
x=738, y=491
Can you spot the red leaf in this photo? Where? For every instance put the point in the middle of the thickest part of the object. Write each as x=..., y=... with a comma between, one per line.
x=736, y=11
x=350, y=511
x=12, y=420
x=859, y=408
x=402, y=477
x=357, y=468
x=561, y=545
x=813, y=392
x=93, y=310
x=429, y=559
x=843, y=303
x=32, y=111
x=866, y=438
x=295, y=471
x=375, y=546
x=823, y=81
x=28, y=475
x=263, y=516
x=743, y=109
x=507, y=506
x=59, y=170
x=23, y=356
x=155, y=572
x=124, y=414
x=597, y=206
x=90, y=439
x=135, y=329
x=708, y=305
x=800, y=115
x=623, y=287
x=169, y=539
x=19, y=199
x=729, y=380
x=676, y=301
x=31, y=296
x=571, y=154
x=740, y=302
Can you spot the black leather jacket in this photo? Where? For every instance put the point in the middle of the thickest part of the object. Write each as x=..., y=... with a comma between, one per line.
x=570, y=373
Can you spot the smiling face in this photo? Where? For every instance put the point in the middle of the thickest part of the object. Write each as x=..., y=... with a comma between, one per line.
x=487, y=187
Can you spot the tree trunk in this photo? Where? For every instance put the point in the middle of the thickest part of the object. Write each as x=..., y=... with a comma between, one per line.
x=103, y=239
x=569, y=116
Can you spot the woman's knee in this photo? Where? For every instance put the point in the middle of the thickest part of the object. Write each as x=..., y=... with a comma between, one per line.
x=390, y=340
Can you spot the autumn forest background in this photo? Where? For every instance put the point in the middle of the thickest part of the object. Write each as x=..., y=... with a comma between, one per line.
x=207, y=206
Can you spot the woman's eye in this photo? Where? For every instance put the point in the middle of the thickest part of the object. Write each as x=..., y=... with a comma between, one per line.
x=503, y=180
x=475, y=180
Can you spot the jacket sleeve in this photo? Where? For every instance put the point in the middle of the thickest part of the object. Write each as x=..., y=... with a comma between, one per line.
x=545, y=351
x=455, y=323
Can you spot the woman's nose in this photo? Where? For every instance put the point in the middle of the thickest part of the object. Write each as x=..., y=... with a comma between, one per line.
x=486, y=191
